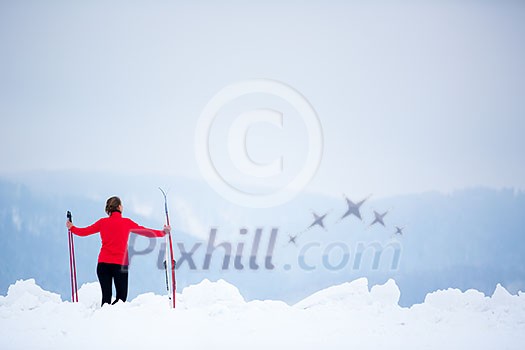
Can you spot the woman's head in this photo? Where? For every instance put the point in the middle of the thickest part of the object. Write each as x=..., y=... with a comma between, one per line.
x=113, y=204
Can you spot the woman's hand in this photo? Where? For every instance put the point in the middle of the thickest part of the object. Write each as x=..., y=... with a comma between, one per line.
x=69, y=224
x=167, y=229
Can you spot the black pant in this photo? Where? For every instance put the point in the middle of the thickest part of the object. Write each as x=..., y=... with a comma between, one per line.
x=107, y=273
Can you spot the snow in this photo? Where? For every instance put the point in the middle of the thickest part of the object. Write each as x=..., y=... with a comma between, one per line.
x=214, y=314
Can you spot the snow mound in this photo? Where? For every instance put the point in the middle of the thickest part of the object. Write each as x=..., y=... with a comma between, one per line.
x=454, y=299
x=90, y=295
x=503, y=298
x=354, y=295
x=349, y=293
x=475, y=301
x=211, y=294
x=387, y=294
x=27, y=295
x=214, y=314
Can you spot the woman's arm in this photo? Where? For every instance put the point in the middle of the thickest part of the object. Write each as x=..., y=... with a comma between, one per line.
x=147, y=232
x=85, y=231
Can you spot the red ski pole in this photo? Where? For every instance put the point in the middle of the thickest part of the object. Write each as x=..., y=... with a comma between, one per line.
x=70, y=266
x=72, y=263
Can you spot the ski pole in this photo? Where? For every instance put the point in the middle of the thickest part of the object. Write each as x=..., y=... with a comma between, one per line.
x=70, y=267
x=170, y=252
x=72, y=263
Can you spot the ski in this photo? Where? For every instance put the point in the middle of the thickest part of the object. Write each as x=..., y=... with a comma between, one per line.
x=72, y=263
x=169, y=261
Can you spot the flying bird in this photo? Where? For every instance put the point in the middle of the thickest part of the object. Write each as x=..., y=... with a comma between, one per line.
x=292, y=239
x=353, y=208
x=378, y=218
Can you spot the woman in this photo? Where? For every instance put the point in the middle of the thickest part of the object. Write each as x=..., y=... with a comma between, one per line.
x=113, y=258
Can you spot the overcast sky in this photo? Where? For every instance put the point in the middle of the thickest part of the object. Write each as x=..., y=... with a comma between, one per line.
x=411, y=95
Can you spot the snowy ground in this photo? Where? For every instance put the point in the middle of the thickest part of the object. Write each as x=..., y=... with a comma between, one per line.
x=211, y=315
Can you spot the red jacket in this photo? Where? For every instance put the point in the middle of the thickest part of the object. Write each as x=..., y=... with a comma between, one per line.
x=114, y=232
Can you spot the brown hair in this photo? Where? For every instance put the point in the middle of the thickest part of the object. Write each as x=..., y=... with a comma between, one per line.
x=112, y=205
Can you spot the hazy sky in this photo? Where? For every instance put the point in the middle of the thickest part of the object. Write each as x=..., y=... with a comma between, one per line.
x=411, y=95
